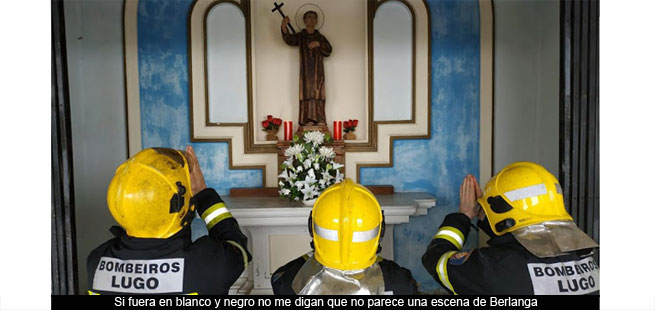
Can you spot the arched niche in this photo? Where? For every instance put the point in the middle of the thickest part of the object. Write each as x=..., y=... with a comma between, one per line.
x=393, y=55
x=226, y=68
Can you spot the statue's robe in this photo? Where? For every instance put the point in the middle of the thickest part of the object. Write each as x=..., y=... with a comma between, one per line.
x=312, y=75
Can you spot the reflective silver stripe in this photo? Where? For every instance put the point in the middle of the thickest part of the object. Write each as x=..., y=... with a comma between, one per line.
x=559, y=188
x=442, y=270
x=329, y=234
x=214, y=214
x=363, y=236
x=452, y=235
x=526, y=192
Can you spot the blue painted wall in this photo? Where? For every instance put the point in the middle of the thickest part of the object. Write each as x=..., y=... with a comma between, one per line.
x=436, y=165
x=164, y=90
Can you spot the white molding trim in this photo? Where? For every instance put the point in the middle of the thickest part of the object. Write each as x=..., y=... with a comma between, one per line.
x=131, y=54
x=486, y=89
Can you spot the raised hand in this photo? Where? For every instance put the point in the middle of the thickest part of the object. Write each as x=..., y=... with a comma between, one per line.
x=197, y=179
x=284, y=24
x=469, y=192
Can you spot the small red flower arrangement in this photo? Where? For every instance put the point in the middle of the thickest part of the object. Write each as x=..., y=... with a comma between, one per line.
x=349, y=125
x=271, y=123
x=349, y=128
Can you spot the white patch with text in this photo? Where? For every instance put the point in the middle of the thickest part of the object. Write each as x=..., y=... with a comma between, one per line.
x=566, y=278
x=139, y=276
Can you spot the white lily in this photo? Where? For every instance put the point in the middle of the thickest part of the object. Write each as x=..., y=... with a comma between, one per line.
x=315, y=137
x=326, y=152
x=284, y=175
x=307, y=163
x=285, y=191
x=311, y=175
x=294, y=150
x=309, y=192
x=326, y=175
x=339, y=177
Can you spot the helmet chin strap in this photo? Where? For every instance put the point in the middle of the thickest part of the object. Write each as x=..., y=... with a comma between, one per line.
x=382, y=228
x=486, y=227
x=191, y=212
x=177, y=201
x=310, y=228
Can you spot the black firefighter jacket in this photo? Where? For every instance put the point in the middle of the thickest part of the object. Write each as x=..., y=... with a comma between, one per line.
x=505, y=267
x=210, y=265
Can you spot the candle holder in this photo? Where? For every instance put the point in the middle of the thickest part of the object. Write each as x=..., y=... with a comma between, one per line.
x=337, y=129
x=288, y=130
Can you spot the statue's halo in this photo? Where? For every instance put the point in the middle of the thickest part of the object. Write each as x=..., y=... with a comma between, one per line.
x=300, y=23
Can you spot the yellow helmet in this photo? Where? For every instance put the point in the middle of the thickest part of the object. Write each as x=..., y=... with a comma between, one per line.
x=347, y=224
x=520, y=195
x=150, y=193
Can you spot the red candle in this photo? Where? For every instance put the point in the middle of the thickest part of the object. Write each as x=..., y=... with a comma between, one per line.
x=337, y=130
x=288, y=130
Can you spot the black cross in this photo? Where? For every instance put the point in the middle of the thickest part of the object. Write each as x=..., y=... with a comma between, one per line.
x=278, y=7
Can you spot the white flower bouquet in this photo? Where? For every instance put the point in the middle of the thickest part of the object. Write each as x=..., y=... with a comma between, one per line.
x=309, y=168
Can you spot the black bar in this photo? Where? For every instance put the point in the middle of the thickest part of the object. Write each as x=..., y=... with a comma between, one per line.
x=596, y=230
x=565, y=103
x=575, y=109
x=593, y=148
x=584, y=104
x=336, y=302
x=64, y=254
x=579, y=111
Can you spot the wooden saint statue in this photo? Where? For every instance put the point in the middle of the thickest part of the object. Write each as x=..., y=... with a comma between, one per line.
x=313, y=48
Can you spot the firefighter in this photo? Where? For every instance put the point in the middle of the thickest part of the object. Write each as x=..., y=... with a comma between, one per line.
x=154, y=196
x=346, y=225
x=535, y=247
